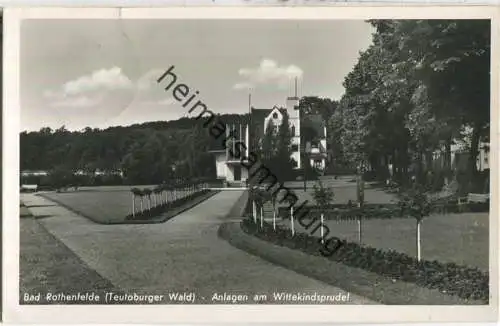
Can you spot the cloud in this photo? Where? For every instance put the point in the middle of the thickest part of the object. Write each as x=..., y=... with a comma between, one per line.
x=103, y=79
x=165, y=101
x=268, y=73
x=76, y=102
x=88, y=90
x=146, y=81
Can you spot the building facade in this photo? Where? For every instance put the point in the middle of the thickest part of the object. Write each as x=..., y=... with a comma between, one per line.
x=249, y=132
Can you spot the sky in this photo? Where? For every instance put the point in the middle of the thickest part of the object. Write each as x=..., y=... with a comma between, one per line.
x=101, y=73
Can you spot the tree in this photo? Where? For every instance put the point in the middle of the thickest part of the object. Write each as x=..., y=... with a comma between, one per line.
x=276, y=149
x=135, y=192
x=323, y=197
x=450, y=60
x=416, y=203
x=317, y=105
x=60, y=177
x=283, y=162
x=147, y=192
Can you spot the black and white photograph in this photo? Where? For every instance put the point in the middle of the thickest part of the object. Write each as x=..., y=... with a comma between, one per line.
x=235, y=162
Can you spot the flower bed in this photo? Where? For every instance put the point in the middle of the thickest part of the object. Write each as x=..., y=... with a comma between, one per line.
x=465, y=282
x=160, y=209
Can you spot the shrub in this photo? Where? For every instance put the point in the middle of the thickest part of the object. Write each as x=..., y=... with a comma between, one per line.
x=322, y=195
x=160, y=209
x=370, y=176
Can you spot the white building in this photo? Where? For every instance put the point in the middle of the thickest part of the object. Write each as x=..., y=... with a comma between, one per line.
x=314, y=143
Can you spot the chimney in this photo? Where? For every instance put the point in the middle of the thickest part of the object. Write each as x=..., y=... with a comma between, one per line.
x=292, y=102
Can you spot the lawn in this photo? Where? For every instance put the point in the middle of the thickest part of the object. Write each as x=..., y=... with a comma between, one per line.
x=24, y=211
x=344, y=190
x=106, y=204
x=459, y=238
x=47, y=265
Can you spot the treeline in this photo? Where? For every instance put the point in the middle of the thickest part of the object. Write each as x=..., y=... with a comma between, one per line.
x=421, y=87
x=147, y=153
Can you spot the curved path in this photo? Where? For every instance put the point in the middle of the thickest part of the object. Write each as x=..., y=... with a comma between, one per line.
x=183, y=254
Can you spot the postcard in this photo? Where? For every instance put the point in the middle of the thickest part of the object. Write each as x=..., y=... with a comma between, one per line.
x=261, y=164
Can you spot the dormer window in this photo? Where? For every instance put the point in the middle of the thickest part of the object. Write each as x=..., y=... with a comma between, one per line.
x=275, y=115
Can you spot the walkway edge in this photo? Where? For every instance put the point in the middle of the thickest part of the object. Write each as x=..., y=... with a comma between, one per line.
x=239, y=207
x=355, y=280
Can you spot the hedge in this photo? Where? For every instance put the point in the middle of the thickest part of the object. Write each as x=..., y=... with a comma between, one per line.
x=160, y=209
x=387, y=211
x=462, y=281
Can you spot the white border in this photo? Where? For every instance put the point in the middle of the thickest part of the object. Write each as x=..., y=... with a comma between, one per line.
x=14, y=313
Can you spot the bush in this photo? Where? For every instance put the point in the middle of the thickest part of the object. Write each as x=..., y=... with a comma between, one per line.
x=384, y=211
x=160, y=209
x=463, y=281
x=370, y=176
x=322, y=195
x=437, y=180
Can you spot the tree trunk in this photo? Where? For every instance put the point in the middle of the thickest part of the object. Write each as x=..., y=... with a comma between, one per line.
x=419, y=254
x=274, y=216
x=360, y=230
x=322, y=228
x=447, y=155
x=291, y=221
x=474, y=152
x=261, y=216
x=254, y=210
x=133, y=205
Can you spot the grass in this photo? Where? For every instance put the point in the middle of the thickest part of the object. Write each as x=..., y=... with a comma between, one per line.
x=24, y=211
x=459, y=238
x=106, y=205
x=48, y=266
x=343, y=189
x=368, y=284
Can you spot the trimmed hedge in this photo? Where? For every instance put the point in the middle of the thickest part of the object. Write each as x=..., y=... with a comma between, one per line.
x=158, y=210
x=386, y=211
x=462, y=281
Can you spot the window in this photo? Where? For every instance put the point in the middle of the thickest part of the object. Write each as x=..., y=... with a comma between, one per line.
x=293, y=131
x=275, y=115
x=295, y=148
x=294, y=163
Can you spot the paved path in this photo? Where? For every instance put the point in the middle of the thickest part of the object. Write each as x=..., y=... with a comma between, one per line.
x=183, y=254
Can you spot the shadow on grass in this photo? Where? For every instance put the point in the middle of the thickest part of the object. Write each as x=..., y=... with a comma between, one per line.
x=34, y=206
x=39, y=217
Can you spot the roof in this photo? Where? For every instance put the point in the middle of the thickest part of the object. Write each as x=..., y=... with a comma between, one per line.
x=313, y=122
x=257, y=119
x=258, y=115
